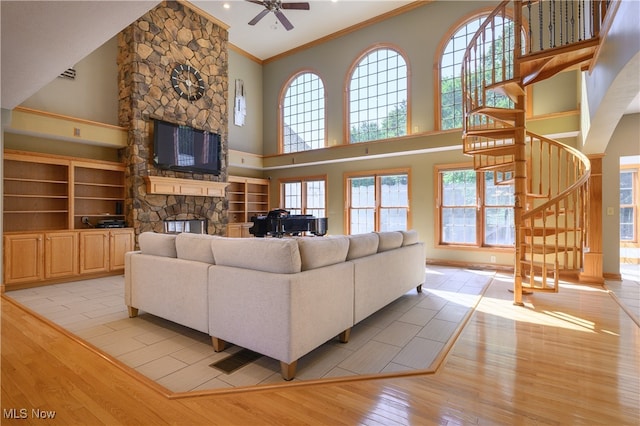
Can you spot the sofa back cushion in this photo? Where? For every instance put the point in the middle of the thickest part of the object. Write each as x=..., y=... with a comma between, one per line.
x=195, y=247
x=158, y=244
x=361, y=245
x=316, y=252
x=278, y=255
x=409, y=237
x=389, y=240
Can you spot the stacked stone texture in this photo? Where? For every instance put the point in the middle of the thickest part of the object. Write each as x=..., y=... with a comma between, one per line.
x=148, y=49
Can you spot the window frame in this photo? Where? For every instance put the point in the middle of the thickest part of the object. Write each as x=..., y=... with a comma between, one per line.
x=281, y=103
x=437, y=64
x=347, y=90
x=635, y=188
x=303, y=190
x=480, y=209
x=377, y=175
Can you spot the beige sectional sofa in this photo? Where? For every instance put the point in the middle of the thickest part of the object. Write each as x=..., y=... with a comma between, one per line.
x=281, y=297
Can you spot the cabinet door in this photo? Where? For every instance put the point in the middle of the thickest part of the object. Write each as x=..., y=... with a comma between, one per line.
x=60, y=254
x=121, y=242
x=23, y=258
x=94, y=252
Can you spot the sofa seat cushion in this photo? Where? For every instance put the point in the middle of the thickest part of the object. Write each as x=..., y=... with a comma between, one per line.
x=361, y=245
x=316, y=252
x=195, y=247
x=389, y=240
x=277, y=255
x=158, y=244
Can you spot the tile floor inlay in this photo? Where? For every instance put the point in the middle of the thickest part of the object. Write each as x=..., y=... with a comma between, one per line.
x=406, y=335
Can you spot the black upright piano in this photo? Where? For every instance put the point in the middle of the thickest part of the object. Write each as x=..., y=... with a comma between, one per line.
x=279, y=222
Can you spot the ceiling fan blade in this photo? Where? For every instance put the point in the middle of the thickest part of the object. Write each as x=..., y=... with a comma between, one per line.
x=283, y=20
x=296, y=6
x=258, y=17
x=261, y=3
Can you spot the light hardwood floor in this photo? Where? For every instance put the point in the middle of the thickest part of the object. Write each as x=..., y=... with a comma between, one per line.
x=566, y=358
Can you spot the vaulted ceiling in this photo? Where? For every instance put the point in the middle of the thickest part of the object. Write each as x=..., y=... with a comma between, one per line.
x=41, y=39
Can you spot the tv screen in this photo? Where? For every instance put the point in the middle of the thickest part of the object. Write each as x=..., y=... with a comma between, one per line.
x=184, y=148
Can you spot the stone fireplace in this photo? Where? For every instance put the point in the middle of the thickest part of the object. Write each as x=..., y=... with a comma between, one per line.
x=148, y=50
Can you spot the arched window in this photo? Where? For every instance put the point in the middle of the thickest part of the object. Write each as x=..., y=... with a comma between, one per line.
x=377, y=96
x=302, y=113
x=450, y=106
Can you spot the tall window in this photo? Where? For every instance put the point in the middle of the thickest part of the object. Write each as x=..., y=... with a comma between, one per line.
x=629, y=200
x=304, y=196
x=378, y=96
x=303, y=121
x=473, y=210
x=451, y=65
x=378, y=202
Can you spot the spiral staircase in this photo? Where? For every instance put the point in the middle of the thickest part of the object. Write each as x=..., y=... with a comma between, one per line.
x=550, y=179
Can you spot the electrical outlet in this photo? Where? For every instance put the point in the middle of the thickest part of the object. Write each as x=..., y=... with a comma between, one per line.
x=493, y=259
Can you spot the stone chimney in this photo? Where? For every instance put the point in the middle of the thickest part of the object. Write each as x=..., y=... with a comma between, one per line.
x=148, y=50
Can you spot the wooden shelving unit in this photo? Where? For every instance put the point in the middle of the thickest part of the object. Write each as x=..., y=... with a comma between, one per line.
x=35, y=198
x=247, y=197
x=44, y=193
x=98, y=193
x=45, y=199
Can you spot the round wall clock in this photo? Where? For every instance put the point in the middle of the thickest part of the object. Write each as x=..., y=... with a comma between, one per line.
x=187, y=82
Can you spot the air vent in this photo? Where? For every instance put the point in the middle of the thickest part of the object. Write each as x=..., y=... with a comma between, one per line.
x=69, y=73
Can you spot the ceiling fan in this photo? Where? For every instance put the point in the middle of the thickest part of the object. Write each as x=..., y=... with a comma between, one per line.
x=276, y=7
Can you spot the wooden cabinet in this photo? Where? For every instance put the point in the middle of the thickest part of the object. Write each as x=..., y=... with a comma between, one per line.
x=120, y=242
x=94, y=252
x=103, y=250
x=45, y=200
x=247, y=197
x=50, y=192
x=60, y=254
x=23, y=258
x=239, y=230
x=55, y=256
x=33, y=257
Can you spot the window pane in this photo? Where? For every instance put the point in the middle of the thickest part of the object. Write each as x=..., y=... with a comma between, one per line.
x=459, y=188
x=394, y=191
x=499, y=228
x=363, y=192
x=626, y=224
x=303, y=114
x=315, y=198
x=393, y=219
x=378, y=97
x=292, y=192
x=361, y=221
x=459, y=225
x=451, y=65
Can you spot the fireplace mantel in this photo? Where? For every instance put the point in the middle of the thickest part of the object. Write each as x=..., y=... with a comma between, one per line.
x=176, y=186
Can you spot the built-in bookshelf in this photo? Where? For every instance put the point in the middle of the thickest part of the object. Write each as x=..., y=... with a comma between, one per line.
x=247, y=197
x=48, y=192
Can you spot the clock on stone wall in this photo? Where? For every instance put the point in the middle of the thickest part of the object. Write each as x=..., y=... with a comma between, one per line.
x=187, y=82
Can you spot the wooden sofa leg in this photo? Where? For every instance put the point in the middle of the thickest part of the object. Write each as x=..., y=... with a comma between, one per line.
x=344, y=336
x=218, y=344
x=288, y=371
x=419, y=288
x=133, y=312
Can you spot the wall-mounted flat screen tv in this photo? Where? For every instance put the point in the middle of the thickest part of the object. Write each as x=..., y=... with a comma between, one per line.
x=183, y=148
